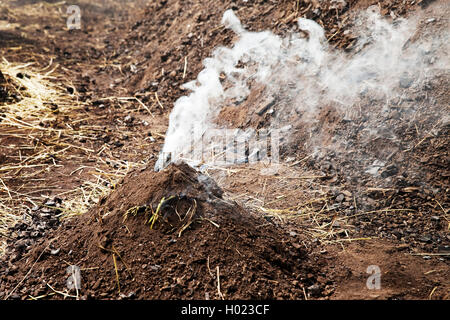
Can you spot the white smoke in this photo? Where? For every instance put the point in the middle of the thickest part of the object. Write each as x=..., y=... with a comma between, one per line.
x=304, y=70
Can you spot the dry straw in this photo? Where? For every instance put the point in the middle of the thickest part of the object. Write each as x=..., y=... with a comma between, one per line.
x=43, y=121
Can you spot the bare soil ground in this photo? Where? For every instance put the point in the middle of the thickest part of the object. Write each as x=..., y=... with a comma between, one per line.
x=77, y=185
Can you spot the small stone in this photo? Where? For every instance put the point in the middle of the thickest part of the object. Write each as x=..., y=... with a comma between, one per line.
x=347, y=193
x=336, y=224
x=96, y=284
x=155, y=267
x=314, y=290
x=127, y=296
x=46, y=210
x=397, y=234
x=177, y=288
x=425, y=238
x=405, y=81
x=128, y=119
x=14, y=296
x=50, y=203
x=20, y=244
x=293, y=234
x=325, y=166
x=268, y=103
x=35, y=234
x=54, y=252
x=389, y=171
x=402, y=247
x=340, y=198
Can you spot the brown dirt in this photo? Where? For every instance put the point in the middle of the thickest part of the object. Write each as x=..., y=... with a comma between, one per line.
x=254, y=260
x=137, y=50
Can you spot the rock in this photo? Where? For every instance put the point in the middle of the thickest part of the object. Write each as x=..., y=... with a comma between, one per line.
x=389, y=171
x=14, y=296
x=35, y=234
x=425, y=238
x=336, y=224
x=155, y=267
x=20, y=226
x=314, y=290
x=128, y=119
x=402, y=247
x=405, y=81
x=270, y=101
x=375, y=167
x=127, y=296
x=20, y=244
x=397, y=234
x=325, y=166
x=96, y=284
x=46, y=210
x=347, y=193
x=340, y=198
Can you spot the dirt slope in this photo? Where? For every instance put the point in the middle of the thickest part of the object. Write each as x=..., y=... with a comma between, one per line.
x=198, y=244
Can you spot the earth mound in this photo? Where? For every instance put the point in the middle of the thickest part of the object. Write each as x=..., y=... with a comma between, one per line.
x=163, y=235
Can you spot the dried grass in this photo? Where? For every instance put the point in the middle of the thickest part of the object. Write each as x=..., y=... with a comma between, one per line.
x=42, y=139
